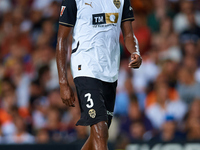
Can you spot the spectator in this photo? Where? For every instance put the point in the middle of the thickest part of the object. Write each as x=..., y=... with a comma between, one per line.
x=147, y=74
x=5, y=6
x=193, y=121
x=190, y=49
x=58, y=131
x=191, y=62
x=15, y=36
x=21, y=136
x=22, y=82
x=44, y=76
x=169, y=69
x=181, y=22
x=169, y=132
x=192, y=34
x=194, y=111
x=164, y=107
x=187, y=87
x=160, y=12
x=1, y=138
x=42, y=136
x=39, y=112
x=167, y=41
x=7, y=101
x=193, y=128
x=82, y=133
x=140, y=28
x=122, y=99
x=137, y=131
x=53, y=125
x=136, y=118
x=38, y=5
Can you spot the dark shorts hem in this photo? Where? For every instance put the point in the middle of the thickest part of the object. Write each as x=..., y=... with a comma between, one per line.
x=82, y=121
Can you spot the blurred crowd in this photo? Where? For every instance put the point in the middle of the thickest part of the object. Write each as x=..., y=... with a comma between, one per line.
x=158, y=102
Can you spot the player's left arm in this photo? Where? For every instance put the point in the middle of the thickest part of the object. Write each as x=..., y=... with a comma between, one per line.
x=131, y=44
x=130, y=40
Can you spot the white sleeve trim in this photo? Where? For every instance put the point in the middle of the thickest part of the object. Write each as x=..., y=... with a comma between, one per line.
x=136, y=46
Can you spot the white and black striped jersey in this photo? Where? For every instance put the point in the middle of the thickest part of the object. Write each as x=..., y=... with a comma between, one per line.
x=97, y=26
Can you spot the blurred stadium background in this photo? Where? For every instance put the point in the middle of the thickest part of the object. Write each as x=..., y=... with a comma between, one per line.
x=160, y=102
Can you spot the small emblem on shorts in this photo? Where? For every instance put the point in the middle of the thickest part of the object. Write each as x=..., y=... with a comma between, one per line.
x=79, y=67
x=92, y=113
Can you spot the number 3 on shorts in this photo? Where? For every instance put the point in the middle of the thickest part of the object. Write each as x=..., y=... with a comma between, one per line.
x=91, y=104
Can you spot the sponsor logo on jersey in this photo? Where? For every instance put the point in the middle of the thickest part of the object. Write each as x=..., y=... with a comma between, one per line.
x=62, y=10
x=89, y=4
x=92, y=113
x=117, y=3
x=111, y=17
x=98, y=19
x=105, y=18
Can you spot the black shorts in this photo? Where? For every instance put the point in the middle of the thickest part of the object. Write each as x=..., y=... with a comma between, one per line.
x=96, y=100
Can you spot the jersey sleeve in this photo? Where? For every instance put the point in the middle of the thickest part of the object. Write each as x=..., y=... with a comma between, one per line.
x=127, y=14
x=68, y=13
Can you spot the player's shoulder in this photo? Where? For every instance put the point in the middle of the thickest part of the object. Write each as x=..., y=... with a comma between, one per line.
x=69, y=2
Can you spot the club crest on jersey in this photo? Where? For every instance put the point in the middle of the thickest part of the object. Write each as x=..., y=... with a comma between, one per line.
x=92, y=113
x=117, y=3
x=62, y=10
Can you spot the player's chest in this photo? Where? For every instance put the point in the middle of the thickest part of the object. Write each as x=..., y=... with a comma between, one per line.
x=90, y=7
x=99, y=12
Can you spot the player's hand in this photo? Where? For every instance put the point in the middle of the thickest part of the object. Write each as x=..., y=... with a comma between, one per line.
x=136, y=61
x=67, y=95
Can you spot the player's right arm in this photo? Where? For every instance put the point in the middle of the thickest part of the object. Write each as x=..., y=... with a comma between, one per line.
x=129, y=38
x=66, y=92
x=67, y=21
